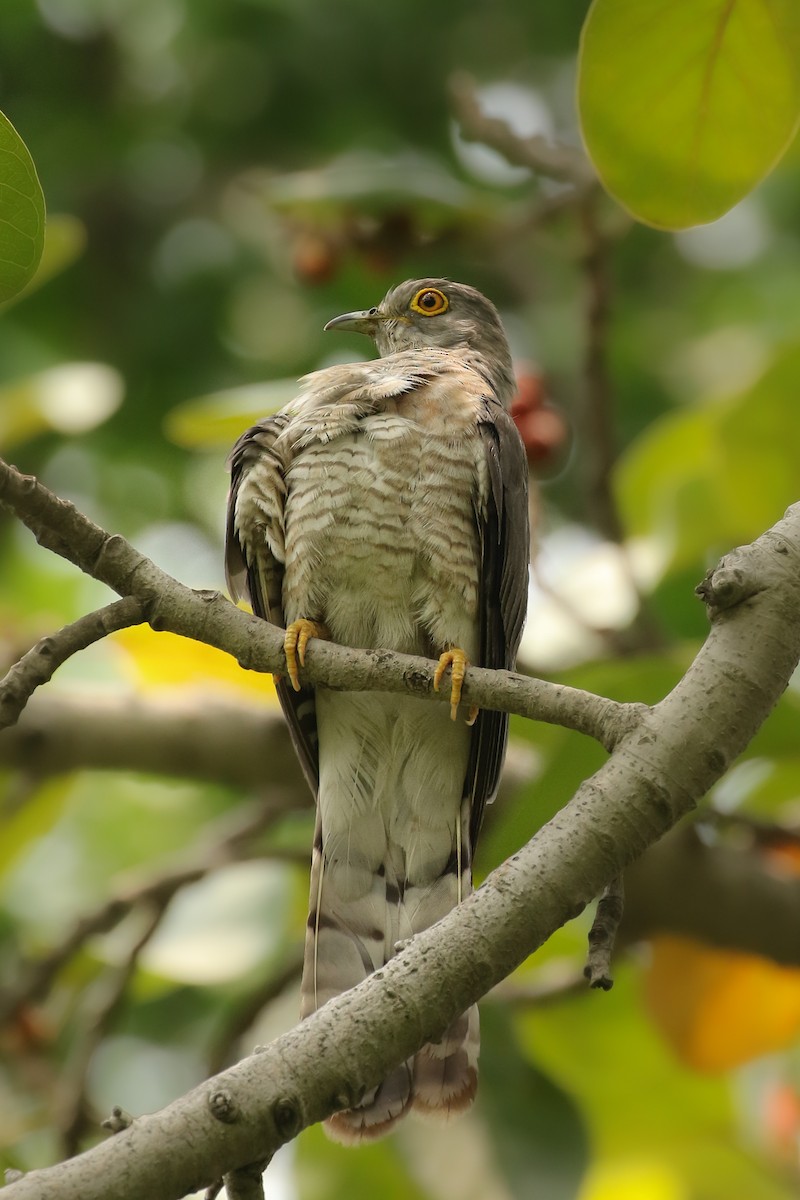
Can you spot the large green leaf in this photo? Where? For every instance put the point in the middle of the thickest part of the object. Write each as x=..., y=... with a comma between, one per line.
x=708, y=478
x=687, y=104
x=22, y=213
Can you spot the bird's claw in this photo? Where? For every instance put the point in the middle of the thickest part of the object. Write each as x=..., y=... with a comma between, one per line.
x=295, y=640
x=456, y=659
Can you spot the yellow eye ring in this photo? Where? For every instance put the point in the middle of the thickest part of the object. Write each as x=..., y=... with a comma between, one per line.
x=430, y=302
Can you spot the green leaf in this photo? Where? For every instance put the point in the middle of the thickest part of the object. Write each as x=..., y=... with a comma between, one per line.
x=759, y=442
x=28, y=822
x=641, y=1105
x=64, y=242
x=537, y=1130
x=704, y=479
x=325, y=1171
x=687, y=104
x=22, y=213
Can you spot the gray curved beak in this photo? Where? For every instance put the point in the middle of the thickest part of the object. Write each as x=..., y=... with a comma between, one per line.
x=357, y=322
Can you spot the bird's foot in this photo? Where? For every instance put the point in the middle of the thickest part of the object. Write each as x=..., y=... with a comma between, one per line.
x=456, y=659
x=295, y=640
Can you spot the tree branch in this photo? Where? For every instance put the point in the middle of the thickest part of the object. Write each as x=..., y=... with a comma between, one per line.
x=208, y=617
x=597, y=415
x=97, y=1016
x=558, y=161
x=730, y=898
x=194, y=737
x=225, y=841
x=658, y=771
x=40, y=663
x=603, y=934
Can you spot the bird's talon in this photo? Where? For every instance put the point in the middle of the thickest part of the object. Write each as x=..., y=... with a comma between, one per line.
x=472, y=715
x=456, y=659
x=295, y=640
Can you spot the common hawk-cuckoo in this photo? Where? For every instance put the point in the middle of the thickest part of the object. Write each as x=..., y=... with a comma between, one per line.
x=386, y=506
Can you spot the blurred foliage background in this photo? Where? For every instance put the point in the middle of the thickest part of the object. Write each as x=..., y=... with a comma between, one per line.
x=221, y=179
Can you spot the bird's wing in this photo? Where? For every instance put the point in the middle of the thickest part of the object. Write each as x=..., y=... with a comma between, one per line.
x=330, y=404
x=254, y=559
x=502, y=517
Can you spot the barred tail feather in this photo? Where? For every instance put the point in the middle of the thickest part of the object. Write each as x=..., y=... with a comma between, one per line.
x=446, y=1072
x=351, y=932
x=395, y=860
x=377, y=1113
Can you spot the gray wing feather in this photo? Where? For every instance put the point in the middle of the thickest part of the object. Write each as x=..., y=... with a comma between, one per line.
x=505, y=553
x=255, y=572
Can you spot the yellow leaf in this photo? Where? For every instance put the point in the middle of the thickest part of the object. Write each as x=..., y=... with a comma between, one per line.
x=166, y=660
x=718, y=1009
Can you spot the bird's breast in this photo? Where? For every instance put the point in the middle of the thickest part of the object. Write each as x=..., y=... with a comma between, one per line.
x=380, y=529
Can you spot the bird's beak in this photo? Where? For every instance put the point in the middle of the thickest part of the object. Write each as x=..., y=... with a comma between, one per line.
x=357, y=322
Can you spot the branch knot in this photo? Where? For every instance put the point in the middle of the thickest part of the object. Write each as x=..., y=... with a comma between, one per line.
x=727, y=585
x=223, y=1106
x=287, y=1117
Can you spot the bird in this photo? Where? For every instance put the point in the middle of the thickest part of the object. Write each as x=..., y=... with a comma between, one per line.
x=386, y=507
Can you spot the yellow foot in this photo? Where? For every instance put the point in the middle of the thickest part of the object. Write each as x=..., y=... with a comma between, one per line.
x=458, y=661
x=294, y=645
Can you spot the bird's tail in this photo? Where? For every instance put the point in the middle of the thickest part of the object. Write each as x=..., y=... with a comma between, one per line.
x=446, y=1072
x=358, y=915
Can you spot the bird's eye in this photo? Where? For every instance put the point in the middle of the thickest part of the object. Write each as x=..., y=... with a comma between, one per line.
x=430, y=302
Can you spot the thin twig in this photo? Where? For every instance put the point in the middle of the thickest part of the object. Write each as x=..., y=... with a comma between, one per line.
x=566, y=163
x=598, y=421
x=602, y=935
x=223, y=842
x=39, y=664
x=118, y=1120
x=98, y=1015
x=246, y=1183
x=598, y=410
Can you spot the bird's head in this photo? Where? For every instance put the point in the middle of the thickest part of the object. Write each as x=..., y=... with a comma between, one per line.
x=435, y=312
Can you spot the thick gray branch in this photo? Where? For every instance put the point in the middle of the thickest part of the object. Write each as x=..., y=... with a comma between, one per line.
x=658, y=771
